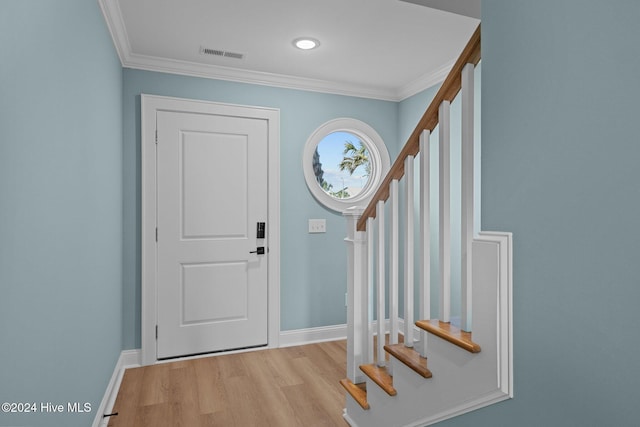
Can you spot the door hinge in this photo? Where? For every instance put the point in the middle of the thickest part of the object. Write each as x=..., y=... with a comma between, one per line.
x=156, y=234
x=156, y=332
x=156, y=136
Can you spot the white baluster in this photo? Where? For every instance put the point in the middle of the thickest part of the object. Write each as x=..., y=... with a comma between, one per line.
x=445, y=219
x=467, y=194
x=425, y=237
x=393, y=262
x=367, y=300
x=380, y=281
x=408, y=253
x=356, y=287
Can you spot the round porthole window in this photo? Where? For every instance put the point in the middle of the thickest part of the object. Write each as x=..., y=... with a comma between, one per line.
x=344, y=161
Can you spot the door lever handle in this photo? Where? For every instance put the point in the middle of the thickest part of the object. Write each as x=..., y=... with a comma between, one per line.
x=259, y=251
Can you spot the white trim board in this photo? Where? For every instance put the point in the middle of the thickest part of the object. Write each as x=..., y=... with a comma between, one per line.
x=150, y=105
x=313, y=335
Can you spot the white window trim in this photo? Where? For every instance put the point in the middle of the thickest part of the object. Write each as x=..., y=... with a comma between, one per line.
x=378, y=153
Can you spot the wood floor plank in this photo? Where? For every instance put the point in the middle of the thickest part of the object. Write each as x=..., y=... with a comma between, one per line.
x=212, y=397
x=217, y=419
x=156, y=385
x=230, y=366
x=293, y=351
x=308, y=412
x=324, y=362
x=152, y=415
x=325, y=388
x=264, y=383
x=183, y=397
x=241, y=402
x=336, y=350
x=277, y=363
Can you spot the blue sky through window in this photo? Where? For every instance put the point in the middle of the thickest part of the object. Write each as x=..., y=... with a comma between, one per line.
x=331, y=149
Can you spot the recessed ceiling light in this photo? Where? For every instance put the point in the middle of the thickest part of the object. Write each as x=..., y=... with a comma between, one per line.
x=306, y=43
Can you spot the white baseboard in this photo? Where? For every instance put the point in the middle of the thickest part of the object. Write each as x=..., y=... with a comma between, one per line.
x=131, y=358
x=312, y=335
x=348, y=419
x=127, y=359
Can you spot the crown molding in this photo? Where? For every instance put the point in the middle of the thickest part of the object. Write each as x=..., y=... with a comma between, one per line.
x=424, y=82
x=173, y=66
x=115, y=23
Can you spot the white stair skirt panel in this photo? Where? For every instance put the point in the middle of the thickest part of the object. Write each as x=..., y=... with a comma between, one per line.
x=461, y=381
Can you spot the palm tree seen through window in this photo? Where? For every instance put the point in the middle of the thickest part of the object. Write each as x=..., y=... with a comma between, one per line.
x=342, y=165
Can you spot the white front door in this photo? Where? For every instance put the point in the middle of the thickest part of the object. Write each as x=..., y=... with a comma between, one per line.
x=212, y=187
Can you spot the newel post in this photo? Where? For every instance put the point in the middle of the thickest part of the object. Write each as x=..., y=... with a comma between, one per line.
x=357, y=295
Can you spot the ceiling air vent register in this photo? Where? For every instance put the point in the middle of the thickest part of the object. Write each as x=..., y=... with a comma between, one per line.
x=221, y=53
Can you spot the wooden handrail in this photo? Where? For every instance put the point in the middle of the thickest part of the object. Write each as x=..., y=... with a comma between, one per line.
x=448, y=91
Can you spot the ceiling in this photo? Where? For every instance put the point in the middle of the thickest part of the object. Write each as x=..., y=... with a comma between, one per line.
x=383, y=49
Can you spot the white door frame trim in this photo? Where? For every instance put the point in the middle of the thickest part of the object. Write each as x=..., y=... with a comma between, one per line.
x=150, y=105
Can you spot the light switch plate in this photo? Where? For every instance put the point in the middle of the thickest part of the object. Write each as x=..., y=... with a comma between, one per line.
x=317, y=226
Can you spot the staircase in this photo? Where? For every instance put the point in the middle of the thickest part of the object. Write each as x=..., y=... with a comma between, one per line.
x=446, y=365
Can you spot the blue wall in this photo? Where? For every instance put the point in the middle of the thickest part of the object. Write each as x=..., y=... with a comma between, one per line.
x=60, y=207
x=561, y=156
x=313, y=270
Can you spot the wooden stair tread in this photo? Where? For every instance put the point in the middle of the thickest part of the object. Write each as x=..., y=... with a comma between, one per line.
x=409, y=357
x=380, y=376
x=357, y=391
x=450, y=333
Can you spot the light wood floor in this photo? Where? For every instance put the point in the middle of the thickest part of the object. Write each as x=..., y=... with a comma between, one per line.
x=294, y=386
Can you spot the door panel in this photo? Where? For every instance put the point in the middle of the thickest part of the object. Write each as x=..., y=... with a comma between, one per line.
x=206, y=160
x=203, y=283
x=212, y=190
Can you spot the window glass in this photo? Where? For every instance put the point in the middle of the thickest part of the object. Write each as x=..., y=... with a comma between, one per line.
x=342, y=164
